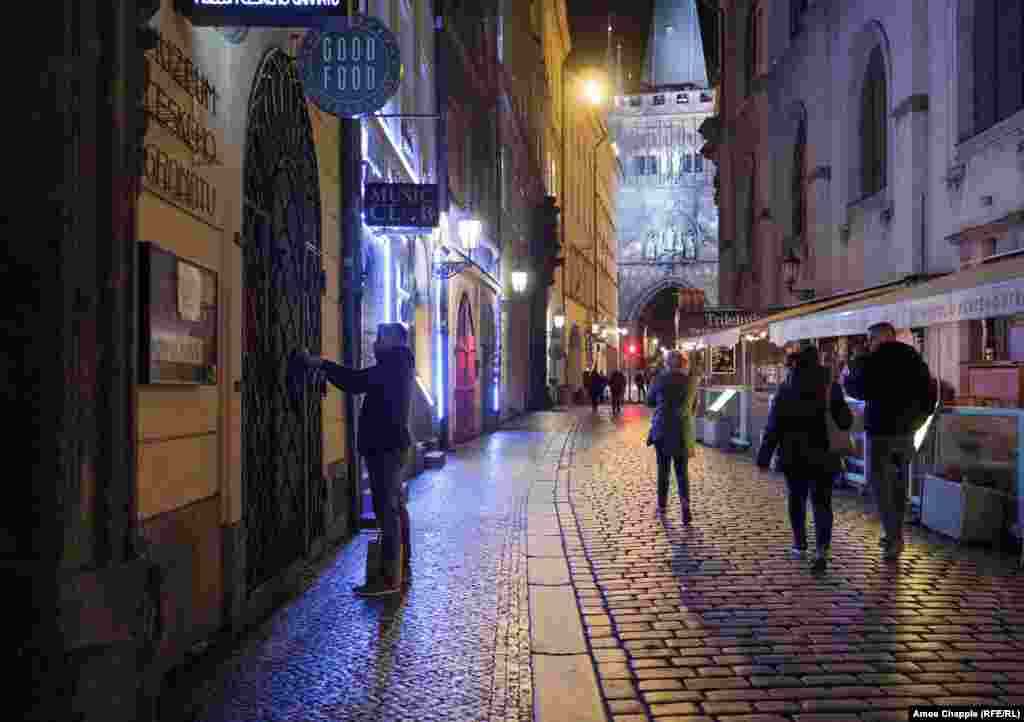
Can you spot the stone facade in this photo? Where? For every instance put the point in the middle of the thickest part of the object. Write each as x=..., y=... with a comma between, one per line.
x=667, y=220
x=950, y=188
x=666, y=217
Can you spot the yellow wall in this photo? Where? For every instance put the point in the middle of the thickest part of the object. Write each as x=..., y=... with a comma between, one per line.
x=190, y=437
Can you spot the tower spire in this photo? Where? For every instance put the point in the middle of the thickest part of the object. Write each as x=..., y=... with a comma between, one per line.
x=675, y=51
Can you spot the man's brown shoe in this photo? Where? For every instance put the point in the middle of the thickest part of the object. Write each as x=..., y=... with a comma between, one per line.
x=379, y=587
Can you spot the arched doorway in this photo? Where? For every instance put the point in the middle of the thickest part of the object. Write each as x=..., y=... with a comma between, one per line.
x=283, y=489
x=465, y=374
x=489, y=365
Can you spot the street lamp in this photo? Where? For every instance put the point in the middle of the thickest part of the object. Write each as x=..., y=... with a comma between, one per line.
x=518, y=281
x=790, y=272
x=559, y=320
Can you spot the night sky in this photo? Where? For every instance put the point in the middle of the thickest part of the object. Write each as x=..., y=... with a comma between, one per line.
x=631, y=19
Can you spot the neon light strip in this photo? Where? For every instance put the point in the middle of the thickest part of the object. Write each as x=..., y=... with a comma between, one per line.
x=388, y=305
x=438, y=369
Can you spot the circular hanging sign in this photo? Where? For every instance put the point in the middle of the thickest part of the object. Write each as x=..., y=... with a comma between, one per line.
x=350, y=67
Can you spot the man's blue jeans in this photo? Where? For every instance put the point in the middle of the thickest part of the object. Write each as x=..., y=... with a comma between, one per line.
x=888, y=474
x=388, y=493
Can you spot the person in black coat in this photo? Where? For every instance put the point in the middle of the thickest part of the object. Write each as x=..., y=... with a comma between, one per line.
x=384, y=441
x=598, y=382
x=617, y=385
x=798, y=428
x=899, y=394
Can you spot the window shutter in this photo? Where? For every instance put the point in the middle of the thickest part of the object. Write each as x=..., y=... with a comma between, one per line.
x=985, y=64
x=881, y=124
x=1010, y=56
x=867, y=134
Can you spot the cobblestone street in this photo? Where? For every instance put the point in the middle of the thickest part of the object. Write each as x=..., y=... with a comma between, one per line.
x=629, y=618
x=454, y=648
x=717, y=622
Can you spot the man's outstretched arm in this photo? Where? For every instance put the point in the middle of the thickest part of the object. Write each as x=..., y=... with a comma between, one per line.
x=349, y=380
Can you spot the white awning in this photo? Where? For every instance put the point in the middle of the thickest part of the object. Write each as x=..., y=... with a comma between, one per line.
x=984, y=291
x=727, y=337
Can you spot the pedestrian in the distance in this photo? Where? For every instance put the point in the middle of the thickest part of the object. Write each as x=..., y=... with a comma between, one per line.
x=899, y=394
x=798, y=428
x=673, y=396
x=617, y=385
x=384, y=441
x=641, y=386
x=597, y=386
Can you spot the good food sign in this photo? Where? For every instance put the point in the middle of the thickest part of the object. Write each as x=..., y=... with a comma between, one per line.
x=350, y=67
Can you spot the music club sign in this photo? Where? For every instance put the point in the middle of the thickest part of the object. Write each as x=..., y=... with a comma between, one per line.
x=401, y=205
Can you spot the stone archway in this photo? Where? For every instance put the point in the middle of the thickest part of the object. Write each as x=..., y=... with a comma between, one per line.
x=644, y=296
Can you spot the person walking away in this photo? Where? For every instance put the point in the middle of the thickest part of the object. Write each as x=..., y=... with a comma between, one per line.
x=384, y=441
x=617, y=384
x=673, y=396
x=597, y=385
x=899, y=394
x=798, y=428
x=641, y=387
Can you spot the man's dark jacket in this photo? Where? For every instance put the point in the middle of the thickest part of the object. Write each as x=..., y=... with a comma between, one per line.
x=384, y=419
x=797, y=425
x=617, y=382
x=896, y=386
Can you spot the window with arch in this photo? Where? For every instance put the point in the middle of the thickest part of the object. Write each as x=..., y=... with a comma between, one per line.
x=754, y=45
x=874, y=125
x=799, y=187
x=998, y=41
x=797, y=8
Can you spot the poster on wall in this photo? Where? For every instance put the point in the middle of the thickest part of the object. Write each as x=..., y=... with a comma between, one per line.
x=178, y=319
x=723, y=360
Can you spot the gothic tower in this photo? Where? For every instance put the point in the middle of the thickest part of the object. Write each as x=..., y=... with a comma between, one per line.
x=675, y=52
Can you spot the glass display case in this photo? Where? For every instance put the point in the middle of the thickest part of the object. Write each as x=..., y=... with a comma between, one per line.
x=973, y=474
x=723, y=415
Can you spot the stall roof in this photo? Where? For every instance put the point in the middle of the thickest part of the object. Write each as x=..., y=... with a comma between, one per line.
x=821, y=304
x=731, y=336
x=994, y=288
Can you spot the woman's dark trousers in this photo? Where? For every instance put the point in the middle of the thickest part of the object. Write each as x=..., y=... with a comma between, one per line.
x=389, y=506
x=820, y=492
x=665, y=463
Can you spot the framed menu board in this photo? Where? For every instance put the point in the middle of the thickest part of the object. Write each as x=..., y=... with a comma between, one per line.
x=177, y=319
x=723, y=360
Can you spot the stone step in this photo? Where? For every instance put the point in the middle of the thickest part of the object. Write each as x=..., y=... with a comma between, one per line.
x=435, y=459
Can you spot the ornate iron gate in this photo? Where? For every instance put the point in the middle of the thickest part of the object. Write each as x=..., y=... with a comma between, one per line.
x=283, y=488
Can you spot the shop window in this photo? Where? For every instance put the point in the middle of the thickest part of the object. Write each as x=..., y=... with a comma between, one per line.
x=682, y=98
x=698, y=163
x=636, y=102
x=659, y=100
x=998, y=41
x=705, y=97
x=687, y=163
x=874, y=127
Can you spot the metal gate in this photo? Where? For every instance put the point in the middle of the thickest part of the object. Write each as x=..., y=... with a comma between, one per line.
x=283, y=488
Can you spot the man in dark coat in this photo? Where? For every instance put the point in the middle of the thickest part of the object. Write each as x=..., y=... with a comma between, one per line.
x=384, y=441
x=617, y=385
x=641, y=386
x=899, y=394
x=798, y=428
x=597, y=386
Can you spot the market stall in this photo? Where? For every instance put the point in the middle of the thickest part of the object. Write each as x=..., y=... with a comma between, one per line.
x=969, y=326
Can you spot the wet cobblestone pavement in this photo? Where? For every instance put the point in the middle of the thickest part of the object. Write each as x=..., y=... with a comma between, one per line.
x=716, y=622
x=455, y=647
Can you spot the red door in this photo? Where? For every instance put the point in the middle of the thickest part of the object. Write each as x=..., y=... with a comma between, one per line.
x=465, y=375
